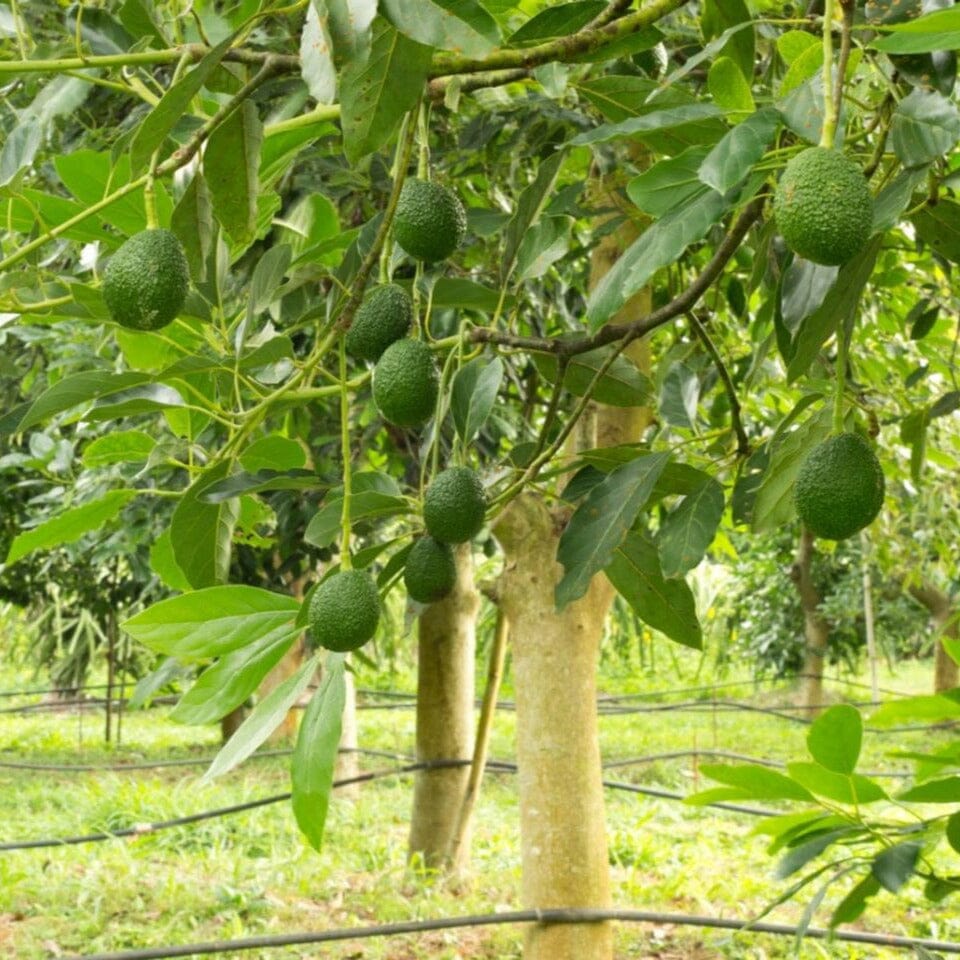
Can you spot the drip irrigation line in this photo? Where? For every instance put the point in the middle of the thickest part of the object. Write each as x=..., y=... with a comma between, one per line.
x=53, y=706
x=494, y=766
x=545, y=916
x=120, y=767
x=73, y=691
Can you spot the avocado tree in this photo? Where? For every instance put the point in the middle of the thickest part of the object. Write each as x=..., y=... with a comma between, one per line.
x=464, y=264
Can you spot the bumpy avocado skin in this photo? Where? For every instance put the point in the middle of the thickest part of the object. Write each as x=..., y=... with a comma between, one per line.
x=431, y=571
x=454, y=506
x=344, y=611
x=384, y=317
x=430, y=221
x=405, y=383
x=146, y=281
x=823, y=206
x=840, y=487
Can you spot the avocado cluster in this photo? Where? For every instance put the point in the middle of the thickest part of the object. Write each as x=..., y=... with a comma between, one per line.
x=840, y=487
x=146, y=281
x=823, y=206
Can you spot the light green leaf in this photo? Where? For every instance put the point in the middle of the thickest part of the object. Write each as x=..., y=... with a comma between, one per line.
x=735, y=155
x=463, y=26
x=124, y=446
x=939, y=30
x=164, y=564
x=531, y=203
x=69, y=525
x=665, y=605
x=273, y=452
x=349, y=24
x=265, y=717
x=729, y=88
x=211, y=622
x=315, y=756
x=75, y=390
x=668, y=183
x=316, y=58
x=835, y=737
x=757, y=781
x=945, y=790
x=843, y=788
x=599, y=525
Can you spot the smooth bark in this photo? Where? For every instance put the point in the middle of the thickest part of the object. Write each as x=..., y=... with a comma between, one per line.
x=816, y=628
x=946, y=622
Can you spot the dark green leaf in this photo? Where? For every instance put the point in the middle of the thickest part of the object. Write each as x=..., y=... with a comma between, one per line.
x=925, y=126
x=273, y=452
x=75, y=390
x=804, y=288
x=799, y=856
x=894, y=866
x=234, y=677
x=665, y=605
x=663, y=119
x=211, y=622
x=834, y=739
x=202, y=533
x=668, y=183
x=175, y=102
x=474, y=394
x=315, y=756
x=19, y=149
x=687, y=532
x=896, y=197
x=463, y=26
x=192, y=222
x=140, y=19
x=532, y=201
x=265, y=717
x=721, y=16
x=622, y=384
x=953, y=831
x=546, y=242
x=855, y=902
x=463, y=294
x=148, y=398
x=939, y=227
x=739, y=150
x=680, y=395
x=377, y=91
x=935, y=31
x=231, y=165
x=69, y=525
x=556, y=21
x=600, y=523
x=238, y=484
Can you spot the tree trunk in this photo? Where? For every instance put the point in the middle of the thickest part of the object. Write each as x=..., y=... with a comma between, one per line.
x=816, y=629
x=230, y=724
x=445, y=693
x=563, y=836
x=945, y=622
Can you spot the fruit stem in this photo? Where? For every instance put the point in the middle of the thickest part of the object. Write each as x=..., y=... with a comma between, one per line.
x=843, y=345
x=345, y=561
x=150, y=193
x=829, y=132
x=423, y=122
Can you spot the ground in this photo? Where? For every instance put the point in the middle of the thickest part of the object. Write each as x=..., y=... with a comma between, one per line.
x=250, y=873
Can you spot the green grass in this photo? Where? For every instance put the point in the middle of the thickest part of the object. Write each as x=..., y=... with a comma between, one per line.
x=250, y=873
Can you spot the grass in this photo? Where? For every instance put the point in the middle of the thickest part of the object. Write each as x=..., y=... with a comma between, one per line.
x=250, y=873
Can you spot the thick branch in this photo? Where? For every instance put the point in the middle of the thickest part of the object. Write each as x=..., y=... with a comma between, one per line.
x=610, y=333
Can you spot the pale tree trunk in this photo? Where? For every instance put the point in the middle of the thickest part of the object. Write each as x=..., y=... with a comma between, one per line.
x=230, y=724
x=563, y=832
x=816, y=629
x=945, y=622
x=446, y=636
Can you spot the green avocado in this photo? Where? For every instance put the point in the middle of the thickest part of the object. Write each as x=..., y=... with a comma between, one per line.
x=146, y=281
x=431, y=571
x=823, y=206
x=384, y=317
x=454, y=506
x=430, y=222
x=405, y=383
x=344, y=611
x=839, y=489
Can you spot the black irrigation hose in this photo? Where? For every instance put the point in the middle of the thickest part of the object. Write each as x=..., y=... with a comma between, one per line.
x=495, y=766
x=4, y=694
x=514, y=917
x=120, y=767
x=52, y=706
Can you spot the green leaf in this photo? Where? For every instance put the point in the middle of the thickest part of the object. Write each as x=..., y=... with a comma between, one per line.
x=69, y=525
x=663, y=119
x=599, y=525
x=148, y=398
x=894, y=866
x=729, y=88
x=843, y=788
x=945, y=790
x=835, y=738
x=75, y=390
x=150, y=685
x=192, y=222
x=265, y=717
x=463, y=26
x=932, y=708
x=935, y=31
x=349, y=24
x=376, y=92
x=687, y=532
x=238, y=484
x=939, y=227
x=463, y=294
x=316, y=58
x=953, y=831
x=140, y=19
x=896, y=197
x=799, y=856
x=546, y=242
x=19, y=149
x=622, y=384
x=735, y=155
x=804, y=287
x=855, y=902
x=658, y=246
x=374, y=496
x=757, y=781
x=925, y=127
x=474, y=394
x=668, y=183
x=266, y=279
x=231, y=165
x=175, y=102
x=164, y=564
x=805, y=66
x=234, y=677
x=774, y=501
x=556, y=21
x=837, y=308
x=665, y=605
x=731, y=22
x=124, y=446
x=532, y=201
x=273, y=452
x=794, y=43
x=315, y=756
x=202, y=533
x=211, y=622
